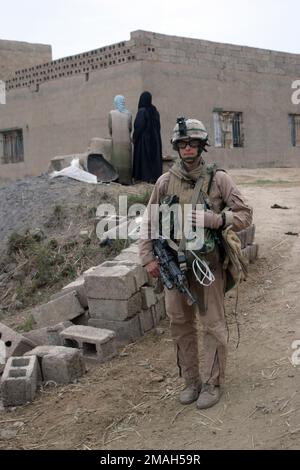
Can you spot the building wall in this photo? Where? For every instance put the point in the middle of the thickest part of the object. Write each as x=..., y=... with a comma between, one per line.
x=64, y=115
x=16, y=55
x=264, y=101
x=194, y=77
x=62, y=104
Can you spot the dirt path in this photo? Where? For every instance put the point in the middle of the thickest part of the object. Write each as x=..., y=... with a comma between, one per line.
x=131, y=403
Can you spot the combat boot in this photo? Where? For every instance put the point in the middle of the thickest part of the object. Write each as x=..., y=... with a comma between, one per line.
x=209, y=396
x=191, y=391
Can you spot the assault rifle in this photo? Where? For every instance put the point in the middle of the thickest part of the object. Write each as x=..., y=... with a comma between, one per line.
x=170, y=273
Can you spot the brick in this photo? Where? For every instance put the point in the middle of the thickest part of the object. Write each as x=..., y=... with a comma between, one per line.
x=48, y=335
x=126, y=331
x=148, y=297
x=20, y=379
x=146, y=320
x=115, y=309
x=64, y=308
x=13, y=344
x=95, y=344
x=59, y=364
x=113, y=280
x=79, y=287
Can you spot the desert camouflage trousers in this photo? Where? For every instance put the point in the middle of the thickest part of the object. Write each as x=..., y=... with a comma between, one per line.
x=185, y=331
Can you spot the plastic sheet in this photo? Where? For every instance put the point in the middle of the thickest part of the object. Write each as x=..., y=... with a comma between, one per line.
x=75, y=172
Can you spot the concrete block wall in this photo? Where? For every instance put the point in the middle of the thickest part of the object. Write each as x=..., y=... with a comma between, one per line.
x=114, y=54
x=119, y=298
x=264, y=99
x=18, y=55
x=182, y=50
x=122, y=298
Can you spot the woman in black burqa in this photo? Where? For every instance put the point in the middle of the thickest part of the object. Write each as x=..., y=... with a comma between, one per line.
x=147, y=153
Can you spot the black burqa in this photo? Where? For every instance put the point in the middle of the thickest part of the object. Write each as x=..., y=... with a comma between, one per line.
x=147, y=153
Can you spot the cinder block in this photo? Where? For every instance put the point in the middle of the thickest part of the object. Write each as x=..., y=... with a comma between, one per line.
x=79, y=287
x=250, y=234
x=113, y=280
x=246, y=253
x=148, y=297
x=95, y=344
x=133, y=248
x=146, y=320
x=12, y=343
x=130, y=257
x=115, y=309
x=59, y=364
x=239, y=234
x=48, y=335
x=243, y=237
x=253, y=233
x=126, y=331
x=253, y=252
x=82, y=320
x=64, y=308
x=116, y=232
x=151, y=281
x=20, y=380
x=158, y=311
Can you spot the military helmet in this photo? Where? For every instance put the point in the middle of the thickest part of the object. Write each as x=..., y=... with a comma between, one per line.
x=191, y=128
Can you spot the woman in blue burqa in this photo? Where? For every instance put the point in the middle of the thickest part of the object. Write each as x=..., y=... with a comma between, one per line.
x=147, y=153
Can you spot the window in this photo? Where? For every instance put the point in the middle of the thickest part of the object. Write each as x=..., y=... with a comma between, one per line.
x=11, y=146
x=295, y=129
x=228, y=129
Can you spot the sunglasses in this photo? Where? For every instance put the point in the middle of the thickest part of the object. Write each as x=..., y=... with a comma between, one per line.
x=194, y=143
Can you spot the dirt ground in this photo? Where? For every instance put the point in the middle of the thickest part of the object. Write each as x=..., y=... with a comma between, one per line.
x=132, y=401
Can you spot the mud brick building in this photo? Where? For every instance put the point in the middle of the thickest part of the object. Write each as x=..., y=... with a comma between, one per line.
x=242, y=94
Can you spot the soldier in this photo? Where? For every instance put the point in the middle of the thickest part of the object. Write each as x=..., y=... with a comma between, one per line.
x=191, y=179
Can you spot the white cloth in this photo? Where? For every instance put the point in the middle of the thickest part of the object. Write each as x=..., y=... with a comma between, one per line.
x=75, y=172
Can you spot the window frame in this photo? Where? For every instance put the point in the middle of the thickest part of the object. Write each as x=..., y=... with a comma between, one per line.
x=235, y=121
x=11, y=146
x=294, y=129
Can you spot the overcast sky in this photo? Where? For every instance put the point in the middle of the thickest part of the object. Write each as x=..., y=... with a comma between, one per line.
x=73, y=26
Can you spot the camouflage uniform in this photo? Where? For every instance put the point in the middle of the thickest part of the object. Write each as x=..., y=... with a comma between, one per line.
x=223, y=196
